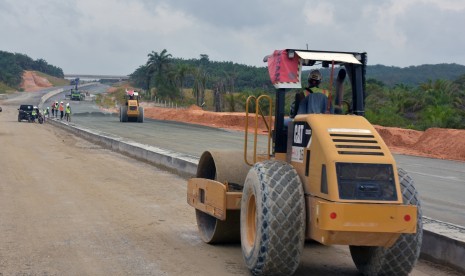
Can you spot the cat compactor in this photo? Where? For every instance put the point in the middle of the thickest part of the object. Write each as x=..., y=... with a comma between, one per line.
x=131, y=111
x=325, y=177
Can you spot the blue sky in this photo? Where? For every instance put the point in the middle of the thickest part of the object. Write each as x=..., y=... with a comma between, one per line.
x=114, y=37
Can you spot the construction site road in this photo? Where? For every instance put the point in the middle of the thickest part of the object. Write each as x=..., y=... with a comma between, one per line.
x=441, y=183
x=69, y=207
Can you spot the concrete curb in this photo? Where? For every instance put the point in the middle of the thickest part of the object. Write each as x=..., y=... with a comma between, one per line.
x=443, y=243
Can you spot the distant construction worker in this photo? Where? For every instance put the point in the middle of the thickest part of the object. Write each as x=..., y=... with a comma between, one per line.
x=68, y=112
x=46, y=112
x=56, y=109
x=34, y=114
x=62, y=110
x=53, y=109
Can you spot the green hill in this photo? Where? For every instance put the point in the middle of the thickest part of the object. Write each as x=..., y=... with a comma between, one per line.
x=415, y=75
x=12, y=66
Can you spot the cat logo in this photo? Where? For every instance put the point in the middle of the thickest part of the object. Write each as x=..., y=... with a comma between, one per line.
x=298, y=134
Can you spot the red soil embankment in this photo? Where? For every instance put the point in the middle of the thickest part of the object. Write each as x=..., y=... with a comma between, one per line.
x=32, y=82
x=434, y=142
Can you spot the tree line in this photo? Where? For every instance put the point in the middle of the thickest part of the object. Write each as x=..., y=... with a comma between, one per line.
x=439, y=103
x=12, y=66
x=166, y=77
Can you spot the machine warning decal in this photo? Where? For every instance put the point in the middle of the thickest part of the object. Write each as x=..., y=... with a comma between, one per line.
x=302, y=135
x=297, y=154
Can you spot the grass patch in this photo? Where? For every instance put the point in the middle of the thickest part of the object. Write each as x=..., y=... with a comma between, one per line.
x=5, y=89
x=53, y=80
x=109, y=100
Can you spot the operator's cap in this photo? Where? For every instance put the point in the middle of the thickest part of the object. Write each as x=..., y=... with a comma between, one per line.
x=315, y=75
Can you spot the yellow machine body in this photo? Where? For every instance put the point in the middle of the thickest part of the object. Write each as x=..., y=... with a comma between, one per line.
x=331, y=219
x=133, y=108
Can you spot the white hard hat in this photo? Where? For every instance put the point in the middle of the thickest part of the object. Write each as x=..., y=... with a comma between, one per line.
x=67, y=104
x=61, y=102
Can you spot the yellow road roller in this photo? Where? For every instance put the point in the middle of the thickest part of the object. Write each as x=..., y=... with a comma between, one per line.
x=131, y=111
x=326, y=175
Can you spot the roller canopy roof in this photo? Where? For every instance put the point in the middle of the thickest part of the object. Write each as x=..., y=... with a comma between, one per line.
x=322, y=56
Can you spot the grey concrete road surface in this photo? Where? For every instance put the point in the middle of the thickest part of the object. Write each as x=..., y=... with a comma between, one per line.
x=69, y=207
x=441, y=183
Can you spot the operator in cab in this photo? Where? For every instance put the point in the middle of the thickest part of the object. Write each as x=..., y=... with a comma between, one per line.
x=316, y=98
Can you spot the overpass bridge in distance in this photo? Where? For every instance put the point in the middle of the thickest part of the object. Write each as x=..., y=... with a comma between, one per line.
x=96, y=77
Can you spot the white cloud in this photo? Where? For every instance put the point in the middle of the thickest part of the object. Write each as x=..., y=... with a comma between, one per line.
x=133, y=16
x=386, y=28
x=454, y=5
x=320, y=14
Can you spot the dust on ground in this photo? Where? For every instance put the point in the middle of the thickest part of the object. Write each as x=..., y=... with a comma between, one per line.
x=33, y=82
x=434, y=142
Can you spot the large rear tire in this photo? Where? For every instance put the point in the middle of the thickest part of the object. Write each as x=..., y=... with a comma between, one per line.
x=140, y=118
x=272, y=219
x=124, y=114
x=400, y=258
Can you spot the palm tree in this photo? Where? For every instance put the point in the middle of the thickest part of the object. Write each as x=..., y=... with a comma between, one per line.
x=157, y=64
x=182, y=71
x=139, y=77
x=200, y=84
x=204, y=60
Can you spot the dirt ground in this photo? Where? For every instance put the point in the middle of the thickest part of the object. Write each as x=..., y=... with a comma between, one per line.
x=32, y=82
x=69, y=207
x=433, y=143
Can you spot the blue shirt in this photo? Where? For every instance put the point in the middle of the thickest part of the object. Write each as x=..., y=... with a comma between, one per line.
x=314, y=103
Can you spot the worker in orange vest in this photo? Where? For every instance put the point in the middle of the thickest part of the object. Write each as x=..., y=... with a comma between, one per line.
x=62, y=110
